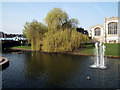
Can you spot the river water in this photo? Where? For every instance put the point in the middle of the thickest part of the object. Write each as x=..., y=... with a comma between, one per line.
x=41, y=70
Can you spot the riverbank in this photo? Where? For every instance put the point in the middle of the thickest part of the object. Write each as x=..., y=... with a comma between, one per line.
x=24, y=48
x=111, y=50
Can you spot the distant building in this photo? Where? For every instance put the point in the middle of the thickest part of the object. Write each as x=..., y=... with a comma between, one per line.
x=108, y=32
x=5, y=35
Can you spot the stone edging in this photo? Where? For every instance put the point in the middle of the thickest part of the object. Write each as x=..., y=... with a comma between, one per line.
x=7, y=60
x=108, y=56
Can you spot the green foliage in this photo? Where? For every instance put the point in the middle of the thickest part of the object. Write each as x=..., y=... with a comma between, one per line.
x=70, y=23
x=34, y=32
x=59, y=35
x=62, y=41
x=57, y=19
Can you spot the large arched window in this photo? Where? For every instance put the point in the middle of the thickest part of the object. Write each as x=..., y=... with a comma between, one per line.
x=112, y=28
x=97, y=31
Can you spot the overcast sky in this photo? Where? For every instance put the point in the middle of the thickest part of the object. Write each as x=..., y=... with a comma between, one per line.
x=15, y=14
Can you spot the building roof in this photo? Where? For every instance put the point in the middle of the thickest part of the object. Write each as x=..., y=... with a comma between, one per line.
x=96, y=26
x=112, y=18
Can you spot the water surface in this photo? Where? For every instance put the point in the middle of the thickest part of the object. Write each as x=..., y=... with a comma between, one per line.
x=40, y=70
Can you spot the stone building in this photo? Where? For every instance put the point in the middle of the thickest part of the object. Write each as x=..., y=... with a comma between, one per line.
x=109, y=32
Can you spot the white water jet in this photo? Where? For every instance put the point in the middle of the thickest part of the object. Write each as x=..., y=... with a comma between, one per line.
x=100, y=54
x=99, y=57
x=103, y=55
x=96, y=62
x=102, y=65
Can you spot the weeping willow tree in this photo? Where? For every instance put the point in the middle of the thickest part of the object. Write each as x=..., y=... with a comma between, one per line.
x=62, y=35
x=58, y=19
x=34, y=32
x=58, y=35
x=62, y=41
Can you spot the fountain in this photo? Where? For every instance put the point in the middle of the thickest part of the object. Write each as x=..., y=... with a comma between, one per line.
x=102, y=64
x=96, y=63
x=99, y=57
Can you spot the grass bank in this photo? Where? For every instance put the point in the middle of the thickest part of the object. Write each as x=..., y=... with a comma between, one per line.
x=110, y=51
x=22, y=47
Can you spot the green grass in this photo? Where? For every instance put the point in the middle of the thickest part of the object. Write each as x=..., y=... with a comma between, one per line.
x=111, y=49
x=22, y=47
x=89, y=49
